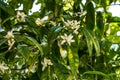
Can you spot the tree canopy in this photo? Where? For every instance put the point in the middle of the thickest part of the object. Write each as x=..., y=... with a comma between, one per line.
x=63, y=40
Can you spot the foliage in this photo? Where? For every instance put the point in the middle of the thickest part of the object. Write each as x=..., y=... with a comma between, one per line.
x=75, y=42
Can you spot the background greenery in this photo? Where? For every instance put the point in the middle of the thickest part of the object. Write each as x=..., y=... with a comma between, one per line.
x=75, y=42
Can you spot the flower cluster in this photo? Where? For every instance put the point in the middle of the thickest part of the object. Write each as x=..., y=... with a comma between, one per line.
x=10, y=38
x=45, y=63
x=20, y=17
x=74, y=25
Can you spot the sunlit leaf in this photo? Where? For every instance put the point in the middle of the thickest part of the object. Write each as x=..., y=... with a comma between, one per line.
x=73, y=60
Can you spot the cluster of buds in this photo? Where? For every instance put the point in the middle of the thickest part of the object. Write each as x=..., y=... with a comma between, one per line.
x=10, y=38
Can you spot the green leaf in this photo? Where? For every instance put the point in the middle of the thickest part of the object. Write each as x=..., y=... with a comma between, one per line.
x=50, y=5
x=24, y=51
x=90, y=16
x=100, y=23
x=73, y=60
x=7, y=19
x=61, y=71
x=36, y=44
x=47, y=74
x=76, y=6
x=97, y=1
x=91, y=40
x=27, y=5
x=54, y=31
x=22, y=38
x=115, y=19
x=96, y=43
x=95, y=73
x=6, y=8
x=104, y=3
x=111, y=1
x=2, y=41
x=112, y=74
x=30, y=21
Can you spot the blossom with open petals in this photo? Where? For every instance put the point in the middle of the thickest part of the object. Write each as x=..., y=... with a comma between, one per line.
x=74, y=25
x=3, y=67
x=9, y=35
x=45, y=63
x=67, y=38
x=20, y=17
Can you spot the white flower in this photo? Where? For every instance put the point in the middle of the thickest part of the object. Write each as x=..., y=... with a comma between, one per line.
x=3, y=67
x=67, y=38
x=45, y=63
x=20, y=17
x=33, y=68
x=9, y=35
x=74, y=25
x=63, y=53
x=75, y=31
x=39, y=22
x=10, y=38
